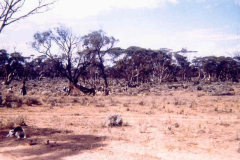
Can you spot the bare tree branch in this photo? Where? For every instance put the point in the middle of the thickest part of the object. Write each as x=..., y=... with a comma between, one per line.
x=10, y=8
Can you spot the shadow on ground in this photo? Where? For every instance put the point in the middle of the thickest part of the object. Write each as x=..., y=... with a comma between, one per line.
x=62, y=143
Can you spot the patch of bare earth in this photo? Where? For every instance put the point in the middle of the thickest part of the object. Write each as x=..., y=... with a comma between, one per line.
x=177, y=124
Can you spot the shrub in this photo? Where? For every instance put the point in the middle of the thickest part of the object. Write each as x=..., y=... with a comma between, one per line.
x=16, y=105
x=19, y=120
x=11, y=101
x=141, y=103
x=46, y=93
x=32, y=92
x=9, y=124
x=100, y=105
x=31, y=100
x=52, y=101
x=75, y=100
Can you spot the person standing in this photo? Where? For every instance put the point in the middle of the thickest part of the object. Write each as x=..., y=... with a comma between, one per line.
x=23, y=88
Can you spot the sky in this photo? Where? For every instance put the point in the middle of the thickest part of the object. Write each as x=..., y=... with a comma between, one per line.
x=210, y=27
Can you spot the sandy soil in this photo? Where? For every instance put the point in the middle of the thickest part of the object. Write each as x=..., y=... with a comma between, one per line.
x=176, y=125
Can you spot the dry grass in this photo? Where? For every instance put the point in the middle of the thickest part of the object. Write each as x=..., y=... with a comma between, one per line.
x=31, y=100
x=8, y=124
x=179, y=122
x=20, y=120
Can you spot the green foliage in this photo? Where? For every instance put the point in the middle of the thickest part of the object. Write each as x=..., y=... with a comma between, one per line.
x=11, y=65
x=140, y=64
x=69, y=61
x=98, y=45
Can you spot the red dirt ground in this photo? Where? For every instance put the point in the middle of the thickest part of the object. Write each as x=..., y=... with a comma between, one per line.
x=175, y=125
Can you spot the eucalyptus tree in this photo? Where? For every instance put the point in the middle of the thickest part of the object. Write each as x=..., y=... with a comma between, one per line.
x=162, y=64
x=184, y=65
x=3, y=59
x=124, y=68
x=198, y=63
x=206, y=66
x=140, y=64
x=39, y=67
x=69, y=59
x=237, y=59
x=183, y=61
x=135, y=64
x=99, y=45
x=11, y=65
x=227, y=68
x=12, y=11
x=209, y=66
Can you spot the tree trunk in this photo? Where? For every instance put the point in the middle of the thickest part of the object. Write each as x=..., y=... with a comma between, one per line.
x=81, y=88
x=8, y=79
x=104, y=75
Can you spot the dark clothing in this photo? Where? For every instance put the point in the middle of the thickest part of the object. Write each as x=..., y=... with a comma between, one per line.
x=23, y=89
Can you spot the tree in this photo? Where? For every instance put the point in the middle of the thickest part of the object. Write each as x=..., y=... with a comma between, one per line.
x=125, y=68
x=11, y=65
x=98, y=44
x=227, y=69
x=39, y=67
x=134, y=64
x=140, y=64
x=11, y=10
x=209, y=66
x=183, y=63
x=162, y=64
x=198, y=63
x=70, y=61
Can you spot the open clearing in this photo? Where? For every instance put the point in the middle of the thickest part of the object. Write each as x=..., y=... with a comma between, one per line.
x=178, y=124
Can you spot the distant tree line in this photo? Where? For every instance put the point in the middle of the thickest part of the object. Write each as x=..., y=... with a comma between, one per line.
x=92, y=57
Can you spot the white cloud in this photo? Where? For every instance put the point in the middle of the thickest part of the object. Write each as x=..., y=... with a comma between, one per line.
x=19, y=26
x=75, y=10
x=18, y=46
x=208, y=41
x=233, y=50
x=2, y=35
x=211, y=35
x=205, y=41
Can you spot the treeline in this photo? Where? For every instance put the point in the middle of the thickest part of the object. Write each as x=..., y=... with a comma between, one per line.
x=93, y=57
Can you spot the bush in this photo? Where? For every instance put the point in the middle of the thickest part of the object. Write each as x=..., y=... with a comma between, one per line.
x=100, y=105
x=11, y=101
x=141, y=103
x=15, y=105
x=31, y=100
x=46, y=93
x=75, y=100
x=9, y=124
x=19, y=120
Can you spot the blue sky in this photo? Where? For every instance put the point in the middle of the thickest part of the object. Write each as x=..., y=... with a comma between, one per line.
x=211, y=27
